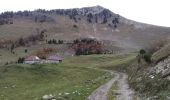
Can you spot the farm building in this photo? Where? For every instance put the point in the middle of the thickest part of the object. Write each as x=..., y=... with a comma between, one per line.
x=32, y=60
x=54, y=59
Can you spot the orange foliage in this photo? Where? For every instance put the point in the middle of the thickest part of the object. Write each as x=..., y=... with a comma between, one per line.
x=44, y=53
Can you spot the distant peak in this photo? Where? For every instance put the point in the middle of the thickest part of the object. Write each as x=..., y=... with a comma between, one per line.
x=98, y=7
x=93, y=9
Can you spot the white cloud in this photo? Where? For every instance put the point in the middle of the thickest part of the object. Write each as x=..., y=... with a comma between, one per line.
x=148, y=11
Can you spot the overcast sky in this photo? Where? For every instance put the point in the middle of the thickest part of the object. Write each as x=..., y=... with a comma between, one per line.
x=155, y=12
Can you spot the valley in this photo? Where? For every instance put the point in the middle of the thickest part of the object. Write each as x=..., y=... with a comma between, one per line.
x=105, y=56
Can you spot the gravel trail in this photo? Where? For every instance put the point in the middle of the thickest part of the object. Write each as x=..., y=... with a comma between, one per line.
x=123, y=92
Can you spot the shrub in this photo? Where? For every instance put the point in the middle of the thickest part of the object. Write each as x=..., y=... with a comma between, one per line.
x=25, y=50
x=75, y=26
x=142, y=51
x=21, y=60
x=87, y=46
x=60, y=41
x=147, y=58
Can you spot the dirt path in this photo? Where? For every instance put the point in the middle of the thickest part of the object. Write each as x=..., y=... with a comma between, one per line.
x=124, y=93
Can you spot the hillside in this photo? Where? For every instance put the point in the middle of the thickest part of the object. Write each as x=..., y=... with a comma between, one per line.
x=92, y=22
x=151, y=79
x=69, y=80
x=106, y=46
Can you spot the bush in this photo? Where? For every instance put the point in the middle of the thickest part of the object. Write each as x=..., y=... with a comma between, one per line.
x=21, y=60
x=25, y=50
x=147, y=58
x=142, y=51
x=60, y=41
x=87, y=46
x=75, y=26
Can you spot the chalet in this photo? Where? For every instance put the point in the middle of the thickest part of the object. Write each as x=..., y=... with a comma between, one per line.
x=32, y=60
x=54, y=59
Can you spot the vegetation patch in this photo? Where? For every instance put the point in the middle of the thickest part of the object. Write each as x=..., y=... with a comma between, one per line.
x=111, y=95
x=148, y=85
x=66, y=81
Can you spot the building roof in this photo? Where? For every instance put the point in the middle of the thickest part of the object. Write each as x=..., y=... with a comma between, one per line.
x=54, y=57
x=32, y=58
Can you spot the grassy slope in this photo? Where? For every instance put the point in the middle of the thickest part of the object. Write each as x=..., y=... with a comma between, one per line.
x=31, y=82
x=103, y=61
x=110, y=62
x=162, y=53
x=140, y=80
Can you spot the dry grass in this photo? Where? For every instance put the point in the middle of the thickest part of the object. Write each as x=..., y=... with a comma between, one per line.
x=162, y=53
x=125, y=36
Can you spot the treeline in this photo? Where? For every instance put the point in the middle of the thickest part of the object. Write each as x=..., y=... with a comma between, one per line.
x=22, y=41
x=87, y=46
x=54, y=41
x=30, y=39
x=7, y=17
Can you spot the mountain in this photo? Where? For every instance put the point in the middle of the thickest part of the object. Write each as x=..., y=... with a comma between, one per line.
x=89, y=22
x=83, y=31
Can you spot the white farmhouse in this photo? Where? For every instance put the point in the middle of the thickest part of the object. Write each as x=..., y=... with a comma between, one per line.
x=32, y=60
x=54, y=59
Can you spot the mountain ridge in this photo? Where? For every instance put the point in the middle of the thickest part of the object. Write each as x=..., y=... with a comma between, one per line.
x=88, y=22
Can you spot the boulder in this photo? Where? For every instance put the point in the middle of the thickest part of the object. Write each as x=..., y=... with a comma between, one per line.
x=48, y=97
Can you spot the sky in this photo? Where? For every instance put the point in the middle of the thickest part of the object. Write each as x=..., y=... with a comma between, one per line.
x=154, y=12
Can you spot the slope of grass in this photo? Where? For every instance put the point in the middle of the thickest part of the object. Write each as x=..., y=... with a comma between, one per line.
x=114, y=61
x=78, y=76
x=162, y=53
x=156, y=88
x=118, y=62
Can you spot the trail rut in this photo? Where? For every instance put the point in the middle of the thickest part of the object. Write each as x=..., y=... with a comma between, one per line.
x=123, y=91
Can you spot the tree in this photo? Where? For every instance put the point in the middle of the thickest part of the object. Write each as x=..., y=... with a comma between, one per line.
x=12, y=47
x=50, y=42
x=76, y=41
x=96, y=18
x=75, y=19
x=89, y=20
x=35, y=19
x=78, y=51
x=142, y=51
x=75, y=26
x=21, y=60
x=21, y=42
x=147, y=58
x=89, y=17
x=115, y=21
x=60, y=41
x=54, y=41
x=25, y=50
x=104, y=20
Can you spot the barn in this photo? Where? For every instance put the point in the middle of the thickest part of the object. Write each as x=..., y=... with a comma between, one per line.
x=54, y=59
x=32, y=60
